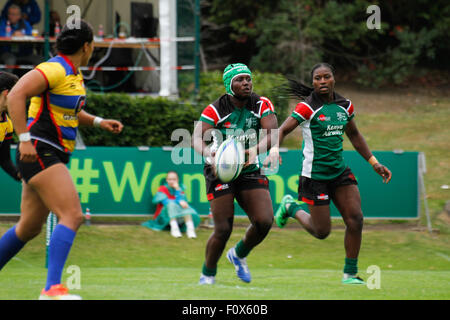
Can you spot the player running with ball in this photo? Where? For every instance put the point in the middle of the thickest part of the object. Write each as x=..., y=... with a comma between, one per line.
x=324, y=117
x=238, y=110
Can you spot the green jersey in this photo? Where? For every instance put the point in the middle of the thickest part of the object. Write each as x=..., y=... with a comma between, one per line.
x=243, y=123
x=323, y=125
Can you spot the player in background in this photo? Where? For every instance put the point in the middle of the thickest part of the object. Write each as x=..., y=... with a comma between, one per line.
x=324, y=117
x=47, y=140
x=7, y=81
x=239, y=110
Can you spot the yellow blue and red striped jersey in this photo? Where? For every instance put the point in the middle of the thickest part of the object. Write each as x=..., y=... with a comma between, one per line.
x=6, y=128
x=53, y=115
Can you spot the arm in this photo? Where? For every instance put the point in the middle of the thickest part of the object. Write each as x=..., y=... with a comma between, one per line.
x=269, y=142
x=5, y=160
x=31, y=84
x=111, y=125
x=198, y=143
x=287, y=127
x=360, y=145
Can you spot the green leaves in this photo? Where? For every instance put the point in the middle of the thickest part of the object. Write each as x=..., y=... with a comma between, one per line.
x=147, y=121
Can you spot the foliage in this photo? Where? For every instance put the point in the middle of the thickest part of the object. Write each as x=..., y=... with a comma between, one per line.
x=264, y=84
x=147, y=121
x=290, y=36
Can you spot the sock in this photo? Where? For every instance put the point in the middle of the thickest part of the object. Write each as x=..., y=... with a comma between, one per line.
x=293, y=208
x=190, y=225
x=10, y=245
x=209, y=272
x=351, y=266
x=241, y=250
x=174, y=225
x=60, y=244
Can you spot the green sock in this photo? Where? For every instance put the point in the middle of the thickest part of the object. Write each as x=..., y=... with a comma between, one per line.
x=293, y=208
x=351, y=265
x=241, y=250
x=209, y=272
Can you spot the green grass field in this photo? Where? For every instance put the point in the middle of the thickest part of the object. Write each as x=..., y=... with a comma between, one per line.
x=132, y=262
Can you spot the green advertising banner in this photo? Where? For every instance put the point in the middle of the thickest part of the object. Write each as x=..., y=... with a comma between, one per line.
x=122, y=181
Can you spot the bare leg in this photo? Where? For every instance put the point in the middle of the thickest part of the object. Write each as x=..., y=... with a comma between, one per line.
x=258, y=206
x=55, y=188
x=222, y=209
x=318, y=223
x=33, y=214
x=348, y=202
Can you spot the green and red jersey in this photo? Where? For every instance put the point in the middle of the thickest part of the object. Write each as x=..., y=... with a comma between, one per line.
x=323, y=125
x=243, y=123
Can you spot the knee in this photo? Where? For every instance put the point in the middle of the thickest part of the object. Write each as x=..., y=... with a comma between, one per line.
x=355, y=222
x=322, y=233
x=72, y=220
x=263, y=226
x=222, y=232
x=27, y=233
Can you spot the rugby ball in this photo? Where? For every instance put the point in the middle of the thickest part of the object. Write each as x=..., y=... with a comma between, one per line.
x=229, y=160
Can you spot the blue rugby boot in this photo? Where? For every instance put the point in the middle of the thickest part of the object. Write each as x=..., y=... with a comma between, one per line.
x=240, y=264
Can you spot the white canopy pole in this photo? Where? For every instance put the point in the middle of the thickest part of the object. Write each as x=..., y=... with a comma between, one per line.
x=168, y=47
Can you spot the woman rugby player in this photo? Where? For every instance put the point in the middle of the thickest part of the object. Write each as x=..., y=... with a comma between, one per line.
x=57, y=95
x=324, y=116
x=238, y=110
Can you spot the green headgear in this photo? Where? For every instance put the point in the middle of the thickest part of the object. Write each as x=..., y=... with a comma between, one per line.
x=231, y=72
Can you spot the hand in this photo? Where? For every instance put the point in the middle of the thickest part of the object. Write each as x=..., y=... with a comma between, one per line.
x=111, y=125
x=17, y=33
x=383, y=172
x=27, y=152
x=273, y=158
x=183, y=204
x=251, y=155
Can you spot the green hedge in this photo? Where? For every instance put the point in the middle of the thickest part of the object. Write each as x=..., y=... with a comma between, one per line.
x=211, y=88
x=147, y=121
x=150, y=121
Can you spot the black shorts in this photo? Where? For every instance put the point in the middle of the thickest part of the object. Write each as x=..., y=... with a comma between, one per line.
x=47, y=156
x=318, y=192
x=246, y=181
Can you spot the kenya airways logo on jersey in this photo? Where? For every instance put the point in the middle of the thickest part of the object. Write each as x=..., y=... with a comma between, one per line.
x=322, y=117
x=229, y=125
x=322, y=196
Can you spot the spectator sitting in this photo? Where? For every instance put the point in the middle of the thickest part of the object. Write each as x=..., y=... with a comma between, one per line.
x=172, y=210
x=29, y=8
x=17, y=53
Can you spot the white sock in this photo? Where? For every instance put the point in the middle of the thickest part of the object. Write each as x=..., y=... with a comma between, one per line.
x=190, y=225
x=174, y=225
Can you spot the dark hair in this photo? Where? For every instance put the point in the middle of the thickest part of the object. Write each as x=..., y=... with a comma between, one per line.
x=7, y=80
x=299, y=90
x=71, y=39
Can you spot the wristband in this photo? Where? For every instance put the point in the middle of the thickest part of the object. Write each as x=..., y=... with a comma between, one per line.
x=97, y=121
x=372, y=160
x=24, y=137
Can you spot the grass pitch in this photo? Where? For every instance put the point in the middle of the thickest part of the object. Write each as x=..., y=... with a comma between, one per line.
x=131, y=262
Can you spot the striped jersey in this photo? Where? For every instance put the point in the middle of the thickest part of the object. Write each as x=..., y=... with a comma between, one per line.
x=243, y=123
x=6, y=128
x=323, y=125
x=53, y=115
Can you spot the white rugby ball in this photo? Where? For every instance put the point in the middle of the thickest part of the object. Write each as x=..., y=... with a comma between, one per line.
x=229, y=160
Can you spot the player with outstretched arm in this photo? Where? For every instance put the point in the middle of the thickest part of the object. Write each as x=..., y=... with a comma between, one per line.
x=47, y=139
x=324, y=117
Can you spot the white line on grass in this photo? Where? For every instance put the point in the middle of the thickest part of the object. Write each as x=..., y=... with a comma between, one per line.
x=24, y=262
x=446, y=257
